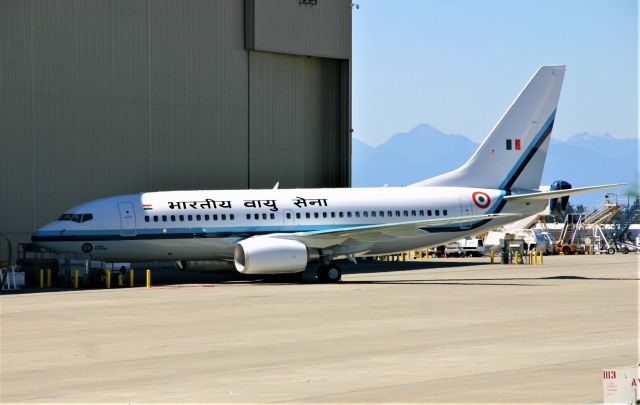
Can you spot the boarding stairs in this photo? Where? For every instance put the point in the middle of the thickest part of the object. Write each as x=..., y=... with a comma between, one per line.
x=604, y=213
x=571, y=228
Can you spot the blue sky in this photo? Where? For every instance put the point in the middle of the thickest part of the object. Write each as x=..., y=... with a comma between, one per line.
x=458, y=64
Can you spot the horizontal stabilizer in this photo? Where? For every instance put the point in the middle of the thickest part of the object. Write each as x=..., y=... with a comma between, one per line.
x=545, y=195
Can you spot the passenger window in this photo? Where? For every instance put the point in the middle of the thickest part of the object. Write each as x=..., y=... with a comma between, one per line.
x=248, y=216
x=324, y=215
x=333, y=214
x=164, y=218
x=429, y=212
x=422, y=213
x=288, y=215
x=206, y=217
x=349, y=214
x=215, y=217
x=173, y=218
x=340, y=214
x=146, y=218
x=231, y=217
x=155, y=218
x=256, y=216
x=406, y=213
x=373, y=214
x=381, y=214
x=365, y=214
x=264, y=216
x=297, y=215
x=181, y=218
x=308, y=215
x=397, y=213
x=358, y=214
x=413, y=213
x=198, y=217
x=437, y=213
x=444, y=212
x=389, y=213
x=272, y=216
x=190, y=217
x=316, y=215
x=223, y=217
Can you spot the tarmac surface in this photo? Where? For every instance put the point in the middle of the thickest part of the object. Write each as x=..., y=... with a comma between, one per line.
x=436, y=331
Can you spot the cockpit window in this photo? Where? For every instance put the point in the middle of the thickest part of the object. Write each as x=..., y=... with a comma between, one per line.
x=76, y=217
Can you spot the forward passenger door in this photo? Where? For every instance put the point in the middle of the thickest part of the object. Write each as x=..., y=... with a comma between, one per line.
x=127, y=219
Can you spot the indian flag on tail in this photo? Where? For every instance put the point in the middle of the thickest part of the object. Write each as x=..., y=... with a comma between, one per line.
x=514, y=144
x=147, y=207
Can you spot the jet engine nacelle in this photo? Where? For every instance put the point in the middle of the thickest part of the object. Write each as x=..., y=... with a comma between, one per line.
x=564, y=201
x=270, y=256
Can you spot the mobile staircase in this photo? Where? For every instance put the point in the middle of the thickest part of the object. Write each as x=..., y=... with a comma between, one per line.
x=594, y=224
x=567, y=242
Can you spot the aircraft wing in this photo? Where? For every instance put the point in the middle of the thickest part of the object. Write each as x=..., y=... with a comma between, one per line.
x=376, y=233
x=545, y=195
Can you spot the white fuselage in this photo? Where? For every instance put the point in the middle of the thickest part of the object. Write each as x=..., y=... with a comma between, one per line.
x=204, y=225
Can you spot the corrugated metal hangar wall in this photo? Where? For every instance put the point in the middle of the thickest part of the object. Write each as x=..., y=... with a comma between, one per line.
x=102, y=97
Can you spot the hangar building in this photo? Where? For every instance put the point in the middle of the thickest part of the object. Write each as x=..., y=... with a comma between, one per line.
x=103, y=97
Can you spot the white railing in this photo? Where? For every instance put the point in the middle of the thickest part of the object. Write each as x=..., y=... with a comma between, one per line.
x=8, y=278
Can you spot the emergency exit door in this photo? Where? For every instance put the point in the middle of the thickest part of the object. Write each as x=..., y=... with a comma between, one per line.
x=127, y=219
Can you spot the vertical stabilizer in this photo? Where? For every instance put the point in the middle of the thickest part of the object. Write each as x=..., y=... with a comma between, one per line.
x=512, y=155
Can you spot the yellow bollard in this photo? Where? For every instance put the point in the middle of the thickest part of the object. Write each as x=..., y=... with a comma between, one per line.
x=120, y=280
x=107, y=278
x=492, y=256
x=148, y=278
x=131, y=278
x=404, y=256
x=535, y=258
x=41, y=278
x=75, y=279
x=541, y=258
x=48, y=278
x=515, y=257
x=426, y=256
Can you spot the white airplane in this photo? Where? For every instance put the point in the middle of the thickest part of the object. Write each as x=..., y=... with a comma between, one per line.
x=281, y=231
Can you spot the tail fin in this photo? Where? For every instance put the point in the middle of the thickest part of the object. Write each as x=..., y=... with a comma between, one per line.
x=512, y=156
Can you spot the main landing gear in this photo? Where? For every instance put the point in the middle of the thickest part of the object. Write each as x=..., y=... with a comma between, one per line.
x=329, y=273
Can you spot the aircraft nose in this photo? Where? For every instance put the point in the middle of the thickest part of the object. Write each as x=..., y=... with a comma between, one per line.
x=48, y=230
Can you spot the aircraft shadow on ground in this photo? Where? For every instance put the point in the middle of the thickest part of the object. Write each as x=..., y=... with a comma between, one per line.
x=173, y=277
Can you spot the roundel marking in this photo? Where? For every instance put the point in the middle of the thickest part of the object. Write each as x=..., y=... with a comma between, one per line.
x=87, y=248
x=481, y=199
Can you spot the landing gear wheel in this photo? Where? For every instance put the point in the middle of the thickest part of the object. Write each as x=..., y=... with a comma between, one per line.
x=329, y=273
x=611, y=251
x=625, y=250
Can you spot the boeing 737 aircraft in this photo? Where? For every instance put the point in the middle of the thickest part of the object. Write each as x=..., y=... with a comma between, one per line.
x=282, y=231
